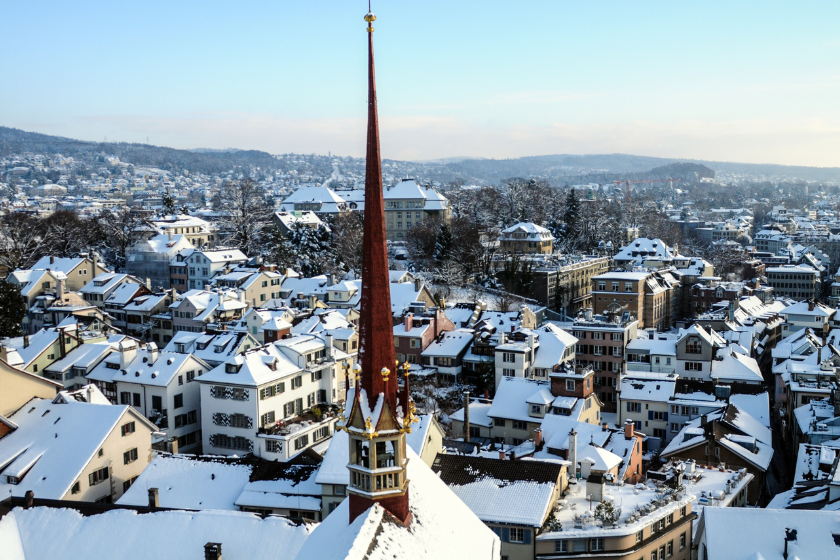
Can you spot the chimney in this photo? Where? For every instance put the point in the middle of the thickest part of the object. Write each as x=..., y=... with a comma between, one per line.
x=810, y=305
x=328, y=342
x=628, y=429
x=417, y=284
x=502, y=455
x=26, y=340
x=213, y=551
x=573, y=453
x=604, y=427
x=93, y=264
x=52, y=259
x=704, y=419
x=538, y=440
x=154, y=498
x=409, y=321
x=149, y=284
x=30, y=499
x=732, y=310
x=59, y=290
x=466, y=416
x=206, y=287
x=152, y=350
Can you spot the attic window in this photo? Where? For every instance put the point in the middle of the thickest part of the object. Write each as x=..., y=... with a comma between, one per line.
x=45, y=413
x=30, y=410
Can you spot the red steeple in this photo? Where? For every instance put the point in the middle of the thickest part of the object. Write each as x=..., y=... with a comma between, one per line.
x=376, y=421
x=376, y=330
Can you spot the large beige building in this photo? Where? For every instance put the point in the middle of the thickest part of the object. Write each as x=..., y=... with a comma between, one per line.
x=63, y=449
x=527, y=238
x=407, y=204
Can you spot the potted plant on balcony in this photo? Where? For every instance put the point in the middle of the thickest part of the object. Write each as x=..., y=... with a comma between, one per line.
x=316, y=412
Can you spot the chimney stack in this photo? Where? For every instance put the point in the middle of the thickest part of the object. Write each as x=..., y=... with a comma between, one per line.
x=573, y=453
x=30, y=499
x=502, y=455
x=538, y=440
x=604, y=427
x=409, y=321
x=466, y=416
x=59, y=290
x=810, y=305
x=154, y=498
x=418, y=284
x=52, y=259
x=213, y=551
x=628, y=429
x=149, y=284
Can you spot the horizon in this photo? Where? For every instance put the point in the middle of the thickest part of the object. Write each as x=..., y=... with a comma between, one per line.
x=542, y=80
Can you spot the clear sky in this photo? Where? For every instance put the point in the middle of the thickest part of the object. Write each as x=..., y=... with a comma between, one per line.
x=737, y=81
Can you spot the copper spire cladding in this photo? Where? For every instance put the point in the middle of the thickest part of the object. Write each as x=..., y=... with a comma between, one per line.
x=376, y=330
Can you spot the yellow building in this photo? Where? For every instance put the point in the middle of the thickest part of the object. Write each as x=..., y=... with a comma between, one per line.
x=527, y=238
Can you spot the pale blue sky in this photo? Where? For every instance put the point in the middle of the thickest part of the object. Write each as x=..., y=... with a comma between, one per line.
x=738, y=81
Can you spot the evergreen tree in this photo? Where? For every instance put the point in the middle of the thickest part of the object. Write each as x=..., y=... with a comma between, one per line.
x=443, y=242
x=11, y=319
x=168, y=204
x=279, y=249
x=314, y=250
x=572, y=215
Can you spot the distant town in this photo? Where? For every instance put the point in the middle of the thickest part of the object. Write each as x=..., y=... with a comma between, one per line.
x=662, y=344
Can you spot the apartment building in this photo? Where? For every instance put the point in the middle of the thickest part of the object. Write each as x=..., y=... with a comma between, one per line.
x=602, y=343
x=526, y=238
x=799, y=282
x=407, y=204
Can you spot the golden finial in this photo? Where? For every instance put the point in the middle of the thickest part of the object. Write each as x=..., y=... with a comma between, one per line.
x=385, y=373
x=370, y=18
x=406, y=367
x=368, y=425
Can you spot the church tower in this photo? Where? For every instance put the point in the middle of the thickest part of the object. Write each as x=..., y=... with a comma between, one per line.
x=378, y=414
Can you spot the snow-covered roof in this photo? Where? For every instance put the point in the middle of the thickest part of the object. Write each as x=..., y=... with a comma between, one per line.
x=511, y=397
x=409, y=189
x=333, y=469
x=755, y=534
x=478, y=414
x=49, y=455
x=639, y=389
x=554, y=342
x=124, y=534
x=60, y=264
x=735, y=366
x=187, y=483
x=451, y=344
x=149, y=367
x=441, y=526
x=254, y=368
x=509, y=492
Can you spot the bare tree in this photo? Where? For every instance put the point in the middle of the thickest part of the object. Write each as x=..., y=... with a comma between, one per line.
x=22, y=240
x=121, y=229
x=347, y=234
x=244, y=215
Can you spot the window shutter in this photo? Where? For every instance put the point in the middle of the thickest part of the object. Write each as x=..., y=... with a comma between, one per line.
x=650, y=415
x=505, y=534
x=90, y=479
x=526, y=536
x=666, y=416
x=628, y=407
x=498, y=531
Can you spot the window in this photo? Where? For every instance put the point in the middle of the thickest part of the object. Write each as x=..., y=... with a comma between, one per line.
x=508, y=372
x=499, y=422
x=536, y=409
x=273, y=446
x=267, y=419
x=130, y=456
x=98, y=476
x=77, y=487
x=682, y=511
x=179, y=400
x=634, y=407
x=570, y=384
x=126, y=429
x=517, y=535
x=653, y=555
x=693, y=346
x=640, y=535
x=670, y=519
x=519, y=425
x=125, y=398
x=661, y=552
x=508, y=357
x=297, y=382
x=127, y=483
x=682, y=540
x=596, y=545
x=157, y=403
x=339, y=490
x=694, y=366
x=670, y=548
x=136, y=398
x=675, y=428
x=302, y=442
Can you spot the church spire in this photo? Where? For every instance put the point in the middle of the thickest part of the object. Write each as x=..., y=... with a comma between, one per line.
x=376, y=330
x=376, y=420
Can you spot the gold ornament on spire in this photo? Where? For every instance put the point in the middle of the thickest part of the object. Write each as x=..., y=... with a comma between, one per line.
x=385, y=373
x=370, y=18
